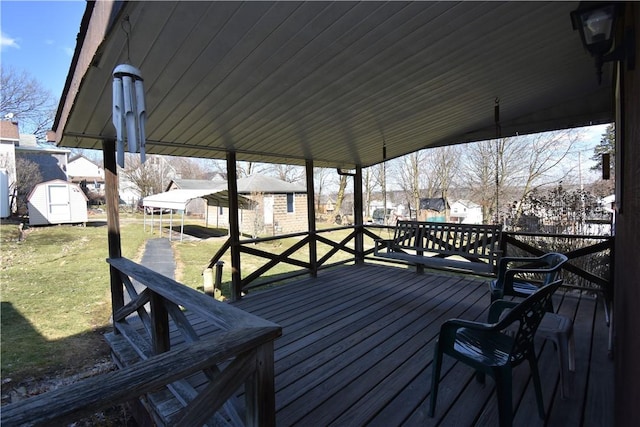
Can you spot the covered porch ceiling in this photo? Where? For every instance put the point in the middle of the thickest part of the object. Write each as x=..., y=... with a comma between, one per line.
x=339, y=83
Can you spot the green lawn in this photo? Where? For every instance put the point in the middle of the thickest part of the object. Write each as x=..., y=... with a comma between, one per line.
x=55, y=288
x=55, y=295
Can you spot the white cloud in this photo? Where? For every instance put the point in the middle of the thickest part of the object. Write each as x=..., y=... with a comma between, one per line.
x=68, y=51
x=49, y=42
x=6, y=41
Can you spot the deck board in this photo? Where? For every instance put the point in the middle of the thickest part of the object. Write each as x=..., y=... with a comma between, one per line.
x=357, y=348
x=369, y=361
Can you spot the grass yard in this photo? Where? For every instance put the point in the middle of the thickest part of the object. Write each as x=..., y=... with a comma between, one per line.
x=55, y=295
x=55, y=288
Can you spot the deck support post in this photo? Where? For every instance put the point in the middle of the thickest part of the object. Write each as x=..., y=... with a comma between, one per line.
x=112, y=201
x=234, y=227
x=311, y=219
x=357, y=215
x=260, y=391
x=159, y=324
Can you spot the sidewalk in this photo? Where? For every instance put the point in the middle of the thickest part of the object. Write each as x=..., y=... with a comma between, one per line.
x=158, y=256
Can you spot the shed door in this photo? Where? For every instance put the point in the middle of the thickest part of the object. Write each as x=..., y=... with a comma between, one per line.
x=59, y=202
x=268, y=209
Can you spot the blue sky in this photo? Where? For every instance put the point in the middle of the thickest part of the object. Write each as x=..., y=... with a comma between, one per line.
x=40, y=37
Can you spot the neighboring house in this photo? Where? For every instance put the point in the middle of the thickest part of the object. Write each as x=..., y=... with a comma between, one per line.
x=433, y=209
x=57, y=202
x=9, y=139
x=465, y=212
x=281, y=207
x=86, y=174
x=51, y=161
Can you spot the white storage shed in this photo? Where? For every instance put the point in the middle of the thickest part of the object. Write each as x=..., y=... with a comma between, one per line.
x=5, y=212
x=57, y=202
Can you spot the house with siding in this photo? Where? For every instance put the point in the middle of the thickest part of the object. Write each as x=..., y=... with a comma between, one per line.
x=465, y=212
x=279, y=206
x=87, y=174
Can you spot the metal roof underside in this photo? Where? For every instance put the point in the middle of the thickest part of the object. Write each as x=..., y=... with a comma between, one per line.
x=334, y=82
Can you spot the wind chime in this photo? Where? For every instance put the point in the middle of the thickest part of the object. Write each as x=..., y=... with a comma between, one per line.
x=129, y=112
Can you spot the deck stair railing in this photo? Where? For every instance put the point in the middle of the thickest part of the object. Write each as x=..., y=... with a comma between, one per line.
x=178, y=377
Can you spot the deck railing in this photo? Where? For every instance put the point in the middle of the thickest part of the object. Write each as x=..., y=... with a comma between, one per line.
x=157, y=361
x=589, y=267
x=590, y=257
x=330, y=253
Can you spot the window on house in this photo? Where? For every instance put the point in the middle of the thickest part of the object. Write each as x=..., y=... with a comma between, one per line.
x=289, y=202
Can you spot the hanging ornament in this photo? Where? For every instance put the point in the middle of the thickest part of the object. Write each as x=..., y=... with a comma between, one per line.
x=129, y=112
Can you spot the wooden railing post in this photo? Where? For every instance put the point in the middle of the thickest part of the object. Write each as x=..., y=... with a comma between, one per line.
x=357, y=215
x=260, y=394
x=234, y=227
x=112, y=201
x=311, y=220
x=159, y=324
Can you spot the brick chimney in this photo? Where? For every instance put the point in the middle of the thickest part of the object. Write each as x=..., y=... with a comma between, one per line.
x=51, y=136
x=9, y=130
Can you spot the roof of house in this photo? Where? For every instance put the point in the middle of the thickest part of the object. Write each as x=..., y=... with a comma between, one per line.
x=81, y=156
x=198, y=184
x=255, y=183
x=467, y=203
x=178, y=199
x=52, y=165
x=258, y=183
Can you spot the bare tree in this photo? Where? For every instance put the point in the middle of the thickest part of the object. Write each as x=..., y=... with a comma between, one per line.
x=445, y=163
x=537, y=160
x=479, y=172
x=187, y=168
x=380, y=178
x=506, y=170
x=368, y=186
x=245, y=169
x=321, y=178
x=289, y=173
x=149, y=177
x=409, y=177
x=342, y=185
x=27, y=176
x=27, y=101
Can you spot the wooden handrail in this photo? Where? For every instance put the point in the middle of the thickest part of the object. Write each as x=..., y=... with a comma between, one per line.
x=222, y=315
x=241, y=336
x=119, y=386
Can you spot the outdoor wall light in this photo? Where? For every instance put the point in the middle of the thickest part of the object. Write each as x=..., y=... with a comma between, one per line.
x=597, y=24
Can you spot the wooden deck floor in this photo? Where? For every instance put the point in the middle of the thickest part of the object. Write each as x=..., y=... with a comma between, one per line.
x=357, y=348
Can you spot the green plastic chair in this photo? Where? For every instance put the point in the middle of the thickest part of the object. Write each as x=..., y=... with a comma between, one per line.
x=516, y=275
x=491, y=350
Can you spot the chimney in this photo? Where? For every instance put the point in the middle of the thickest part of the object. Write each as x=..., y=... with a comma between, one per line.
x=51, y=136
x=9, y=130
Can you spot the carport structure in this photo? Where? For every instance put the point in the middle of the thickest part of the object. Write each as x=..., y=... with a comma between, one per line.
x=176, y=200
x=349, y=85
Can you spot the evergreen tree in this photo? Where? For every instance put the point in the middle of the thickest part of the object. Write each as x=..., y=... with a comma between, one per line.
x=607, y=145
